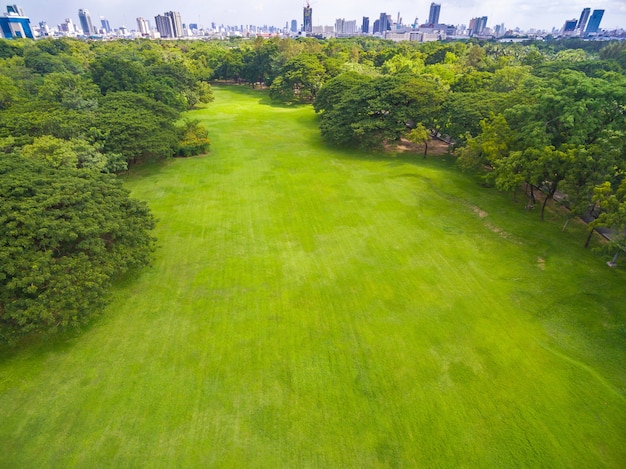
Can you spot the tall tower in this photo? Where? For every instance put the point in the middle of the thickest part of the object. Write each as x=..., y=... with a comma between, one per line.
x=433, y=16
x=307, y=25
x=85, y=22
x=177, y=23
x=142, y=25
x=594, y=22
x=384, y=23
x=582, y=22
x=164, y=26
x=105, y=24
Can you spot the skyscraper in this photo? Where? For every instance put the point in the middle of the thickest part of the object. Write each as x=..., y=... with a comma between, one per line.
x=569, y=26
x=365, y=27
x=433, y=16
x=164, y=26
x=177, y=23
x=594, y=22
x=307, y=25
x=376, y=27
x=582, y=22
x=169, y=24
x=85, y=22
x=143, y=27
x=15, y=10
x=14, y=24
x=105, y=24
x=384, y=23
x=294, y=26
x=477, y=25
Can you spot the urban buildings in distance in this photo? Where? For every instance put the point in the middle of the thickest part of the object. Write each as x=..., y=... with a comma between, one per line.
x=170, y=25
x=14, y=24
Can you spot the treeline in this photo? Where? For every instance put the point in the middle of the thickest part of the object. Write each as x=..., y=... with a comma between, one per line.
x=72, y=114
x=548, y=118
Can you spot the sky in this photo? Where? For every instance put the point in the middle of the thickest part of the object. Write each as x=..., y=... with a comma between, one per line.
x=526, y=14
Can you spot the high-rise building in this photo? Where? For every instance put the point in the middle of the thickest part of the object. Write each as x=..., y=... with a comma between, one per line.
x=15, y=10
x=433, y=16
x=384, y=23
x=104, y=24
x=594, y=22
x=169, y=24
x=142, y=26
x=85, y=22
x=477, y=25
x=177, y=23
x=14, y=24
x=376, y=27
x=582, y=22
x=345, y=28
x=307, y=25
x=164, y=26
x=570, y=26
x=294, y=26
x=365, y=27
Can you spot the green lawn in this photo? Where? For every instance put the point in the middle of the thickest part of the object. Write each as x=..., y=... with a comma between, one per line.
x=311, y=307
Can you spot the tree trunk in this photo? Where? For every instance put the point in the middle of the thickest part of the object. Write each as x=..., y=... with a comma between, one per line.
x=589, y=237
x=543, y=207
x=425, y=149
x=565, y=226
x=549, y=195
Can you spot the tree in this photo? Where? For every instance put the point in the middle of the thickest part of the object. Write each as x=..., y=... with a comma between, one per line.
x=113, y=73
x=299, y=80
x=194, y=139
x=65, y=234
x=420, y=135
x=612, y=204
x=137, y=126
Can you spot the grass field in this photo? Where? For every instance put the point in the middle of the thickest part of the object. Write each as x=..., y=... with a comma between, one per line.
x=311, y=307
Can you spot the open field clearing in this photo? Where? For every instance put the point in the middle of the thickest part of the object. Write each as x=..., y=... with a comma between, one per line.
x=312, y=307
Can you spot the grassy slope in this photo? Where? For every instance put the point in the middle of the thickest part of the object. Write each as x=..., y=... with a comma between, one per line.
x=312, y=307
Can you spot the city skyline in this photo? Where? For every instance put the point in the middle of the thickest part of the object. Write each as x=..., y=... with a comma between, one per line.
x=525, y=14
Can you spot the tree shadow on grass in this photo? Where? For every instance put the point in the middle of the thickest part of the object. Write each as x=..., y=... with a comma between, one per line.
x=392, y=157
x=262, y=94
x=41, y=344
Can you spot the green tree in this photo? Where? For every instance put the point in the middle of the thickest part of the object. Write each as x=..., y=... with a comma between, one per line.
x=420, y=135
x=65, y=234
x=612, y=204
x=194, y=139
x=137, y=126
x=300, y=79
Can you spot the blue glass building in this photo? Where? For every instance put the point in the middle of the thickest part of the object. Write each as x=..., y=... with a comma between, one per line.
x=594, y=22
x=13, y=26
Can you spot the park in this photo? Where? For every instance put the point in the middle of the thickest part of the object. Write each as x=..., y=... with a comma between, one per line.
x=312, y=306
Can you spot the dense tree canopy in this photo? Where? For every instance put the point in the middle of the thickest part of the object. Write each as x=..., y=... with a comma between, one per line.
x=71, y=115
x=65, y=234
x=548, y=117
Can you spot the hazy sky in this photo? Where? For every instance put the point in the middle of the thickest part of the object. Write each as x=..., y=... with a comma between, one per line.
x=541, y=14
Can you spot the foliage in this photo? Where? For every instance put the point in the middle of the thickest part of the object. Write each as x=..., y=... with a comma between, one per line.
x=137, y=126
x=65, y=233
x=369, y=111
x=194, y=139
x=299, y=79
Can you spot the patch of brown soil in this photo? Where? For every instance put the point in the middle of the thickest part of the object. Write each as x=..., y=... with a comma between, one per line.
x=435, y=147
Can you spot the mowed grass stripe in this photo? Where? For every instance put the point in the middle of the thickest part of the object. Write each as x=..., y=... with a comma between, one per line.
x=310, y=307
